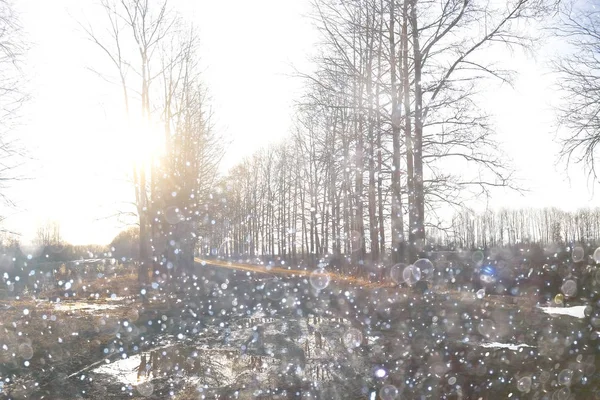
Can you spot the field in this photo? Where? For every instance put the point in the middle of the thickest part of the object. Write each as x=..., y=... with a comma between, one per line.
x=250, y=333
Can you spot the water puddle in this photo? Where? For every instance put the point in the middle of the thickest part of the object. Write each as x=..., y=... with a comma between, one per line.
x=255, y=350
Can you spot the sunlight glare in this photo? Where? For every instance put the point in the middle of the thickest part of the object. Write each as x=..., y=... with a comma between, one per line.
x=142, y=143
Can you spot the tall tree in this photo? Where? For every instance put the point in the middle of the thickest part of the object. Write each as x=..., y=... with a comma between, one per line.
x=135, y=30
x=578, y=78
x=13, y=46
x=154, y=53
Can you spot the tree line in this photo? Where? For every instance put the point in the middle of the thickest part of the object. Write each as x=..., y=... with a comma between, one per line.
x=509, y=227
x=270, y=205
x=389, y=132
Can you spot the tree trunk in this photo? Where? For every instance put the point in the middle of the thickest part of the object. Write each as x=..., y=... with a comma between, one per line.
x=419, y=199
x=410, y=173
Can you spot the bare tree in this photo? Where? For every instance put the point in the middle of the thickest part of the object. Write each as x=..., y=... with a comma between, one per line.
x=390, y=105
x=155, y=55
x=192, y=154
x=578, y=79
x=12, y=50
x=512, y=226
x=48, y=234
x=12, y=93
x=134, y=31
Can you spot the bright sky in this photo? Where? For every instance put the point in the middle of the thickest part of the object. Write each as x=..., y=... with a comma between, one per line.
x=80, y=168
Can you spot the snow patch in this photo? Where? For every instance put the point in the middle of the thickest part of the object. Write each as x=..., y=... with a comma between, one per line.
x=83, y=306
x=123, y=370
x=577, y=311
x=509, y=346
x=117, y=298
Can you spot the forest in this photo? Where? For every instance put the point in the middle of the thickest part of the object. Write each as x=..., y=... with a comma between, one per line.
x=391, y=150
x=370, y=252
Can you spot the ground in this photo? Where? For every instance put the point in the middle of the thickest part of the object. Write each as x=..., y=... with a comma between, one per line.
x=238, y=333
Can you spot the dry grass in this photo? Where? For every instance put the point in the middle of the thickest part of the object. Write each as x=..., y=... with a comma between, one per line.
x=105, y=287
x=44, y=338
x=55, y=337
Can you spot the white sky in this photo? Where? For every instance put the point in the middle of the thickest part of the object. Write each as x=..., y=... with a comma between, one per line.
x=248, y=47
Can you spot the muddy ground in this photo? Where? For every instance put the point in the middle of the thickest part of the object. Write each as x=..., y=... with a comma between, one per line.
x=230, y=334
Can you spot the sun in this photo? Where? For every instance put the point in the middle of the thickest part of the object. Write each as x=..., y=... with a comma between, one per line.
x=142, y=143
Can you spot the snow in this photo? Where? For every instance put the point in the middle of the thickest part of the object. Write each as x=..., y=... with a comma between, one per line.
x=123, y=370
x=83, y=306
x=576, y=311
x=509, y=346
